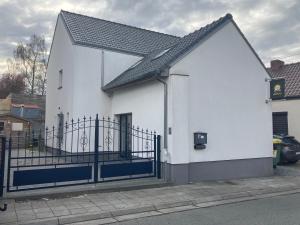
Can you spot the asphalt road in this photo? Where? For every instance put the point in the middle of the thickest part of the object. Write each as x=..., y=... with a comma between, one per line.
x=283, y=210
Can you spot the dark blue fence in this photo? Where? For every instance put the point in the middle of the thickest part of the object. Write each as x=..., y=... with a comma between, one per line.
x=81, y=152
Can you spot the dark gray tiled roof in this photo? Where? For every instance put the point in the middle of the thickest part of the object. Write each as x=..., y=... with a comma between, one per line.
x=291, y=74
x=150, y=67
x=100, y=33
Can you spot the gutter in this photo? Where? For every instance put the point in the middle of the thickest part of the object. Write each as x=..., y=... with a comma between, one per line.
x=165, y=111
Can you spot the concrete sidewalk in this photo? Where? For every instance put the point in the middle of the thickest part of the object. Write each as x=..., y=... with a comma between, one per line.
x=101, y=208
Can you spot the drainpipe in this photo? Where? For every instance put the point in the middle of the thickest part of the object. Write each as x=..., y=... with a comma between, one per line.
x=102, y=68
x=165, y=112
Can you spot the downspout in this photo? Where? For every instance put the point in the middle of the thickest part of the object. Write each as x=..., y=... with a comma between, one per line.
x=102, y=68
x=165, y=112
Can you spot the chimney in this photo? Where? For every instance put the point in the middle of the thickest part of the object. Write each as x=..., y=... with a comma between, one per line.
x=22, y=111
x=276, y=64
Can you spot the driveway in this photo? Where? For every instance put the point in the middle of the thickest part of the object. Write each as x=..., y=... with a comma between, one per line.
x=288, y=170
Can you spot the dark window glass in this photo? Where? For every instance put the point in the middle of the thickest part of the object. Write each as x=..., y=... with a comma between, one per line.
x=1, y=126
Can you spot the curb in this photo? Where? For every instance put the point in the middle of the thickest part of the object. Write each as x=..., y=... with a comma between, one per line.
x=160, y=209
x=61, y=193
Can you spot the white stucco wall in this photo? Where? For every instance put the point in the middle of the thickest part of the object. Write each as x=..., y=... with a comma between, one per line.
x=225, y=93
x=62, y=57
x=145, y=102
x=81, y=93
x=293, y=109
x=115, y=63
x=90, y=99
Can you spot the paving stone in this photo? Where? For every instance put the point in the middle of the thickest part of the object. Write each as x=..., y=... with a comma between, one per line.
x=82, y=217
x=177, y=209
x=97, y=222
x=173, y=204
x=39, y=204
x=49, y=221
x=25, y=217
x=8, y=217
x=133, y=210
x=24, y=211
x=78, y=211
x=137, y=215
x=63, y=212
x=42, y=210
x=44, y=215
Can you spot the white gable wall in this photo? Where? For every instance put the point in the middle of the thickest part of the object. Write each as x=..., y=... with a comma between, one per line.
x=81, y=94
x=115, y=63
x=225, y=93
x=62, y=57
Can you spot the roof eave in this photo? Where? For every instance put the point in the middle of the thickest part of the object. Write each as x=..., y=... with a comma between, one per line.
x=145, y=78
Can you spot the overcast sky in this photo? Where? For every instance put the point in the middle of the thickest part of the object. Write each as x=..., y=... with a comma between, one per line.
x=271, y=26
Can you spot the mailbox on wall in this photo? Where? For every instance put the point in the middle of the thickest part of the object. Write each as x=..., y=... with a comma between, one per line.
x=200, y=140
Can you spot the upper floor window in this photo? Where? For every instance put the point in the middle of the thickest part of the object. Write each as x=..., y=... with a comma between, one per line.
x=60, y=79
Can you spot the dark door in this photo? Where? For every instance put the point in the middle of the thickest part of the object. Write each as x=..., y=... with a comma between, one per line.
x=280, y=123
x=125, y=135
x=60, y=130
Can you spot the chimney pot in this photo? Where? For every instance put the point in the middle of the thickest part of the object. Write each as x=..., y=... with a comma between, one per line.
x=276, y=64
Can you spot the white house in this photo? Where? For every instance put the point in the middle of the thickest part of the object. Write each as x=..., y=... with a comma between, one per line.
x=210, y=81
x=286, y=108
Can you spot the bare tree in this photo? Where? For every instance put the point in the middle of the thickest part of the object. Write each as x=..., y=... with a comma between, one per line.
x=10, y=83
x=31, y=61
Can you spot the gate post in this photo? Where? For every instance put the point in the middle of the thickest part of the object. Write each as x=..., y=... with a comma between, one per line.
x=2, y=166
x=96, y=153
x=158, y=157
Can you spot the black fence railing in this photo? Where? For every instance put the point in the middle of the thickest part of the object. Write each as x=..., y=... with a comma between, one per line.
x=95, y=149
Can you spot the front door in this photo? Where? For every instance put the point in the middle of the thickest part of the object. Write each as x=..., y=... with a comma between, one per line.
x=60, y=130
x=125, y=135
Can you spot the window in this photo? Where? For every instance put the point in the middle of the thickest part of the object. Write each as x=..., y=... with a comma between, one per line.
x=160, y=54
x=135, y=64
x=1, y=126
x=60, y=79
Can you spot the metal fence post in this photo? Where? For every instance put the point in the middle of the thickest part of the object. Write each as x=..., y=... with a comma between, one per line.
x=96, y=153
x=2, y=166
x=8, y=164
x=158, y=157
x=155, y=158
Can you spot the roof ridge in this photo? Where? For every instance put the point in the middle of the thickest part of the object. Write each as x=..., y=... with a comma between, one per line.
x=286, y=64
x=122, y=24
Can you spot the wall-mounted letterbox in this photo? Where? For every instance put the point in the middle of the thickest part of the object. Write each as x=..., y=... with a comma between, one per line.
x=200, y=140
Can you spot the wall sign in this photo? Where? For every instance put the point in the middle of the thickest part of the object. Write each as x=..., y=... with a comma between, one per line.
x=17, y=127
x=277, y=88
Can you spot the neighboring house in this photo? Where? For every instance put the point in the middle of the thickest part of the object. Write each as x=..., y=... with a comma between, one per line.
x=210, y=80
x=28, y=107
x=286, y=110
x=16, y=128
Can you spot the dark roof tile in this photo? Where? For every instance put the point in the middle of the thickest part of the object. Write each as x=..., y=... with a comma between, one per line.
x=291, y=74
x=100, y=33
x=150, y=67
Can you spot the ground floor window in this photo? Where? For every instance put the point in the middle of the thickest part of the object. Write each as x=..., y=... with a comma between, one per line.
x=280, y=123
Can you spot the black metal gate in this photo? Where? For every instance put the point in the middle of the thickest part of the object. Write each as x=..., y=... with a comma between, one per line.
x=81, y=152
